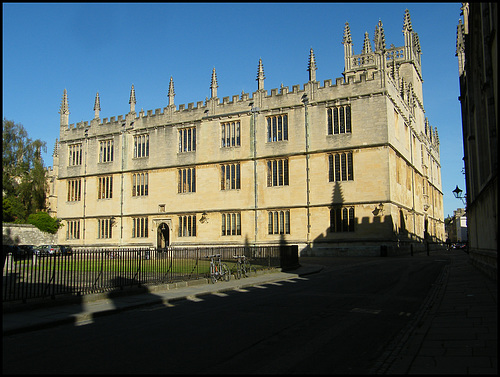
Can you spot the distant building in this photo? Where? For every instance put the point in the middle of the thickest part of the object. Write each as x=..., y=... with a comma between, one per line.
x=456, y=229
x=351, y=165
x=478, y=70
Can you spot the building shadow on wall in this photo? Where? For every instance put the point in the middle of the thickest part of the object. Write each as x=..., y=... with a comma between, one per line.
x=375, y=235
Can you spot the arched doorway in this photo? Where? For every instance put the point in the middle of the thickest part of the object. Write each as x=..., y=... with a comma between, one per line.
x=163, y=235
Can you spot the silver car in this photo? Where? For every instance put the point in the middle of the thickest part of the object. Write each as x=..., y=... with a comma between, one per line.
x=47, y=250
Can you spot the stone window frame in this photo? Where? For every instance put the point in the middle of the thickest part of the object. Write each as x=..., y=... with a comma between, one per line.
x=278, y=222
x=75, y=153
x=105, y=187
x=277, y=128
x=230, y=176
x=187, y=139
x=140, y=184
x=72, y=229
x=339, y=119
x=187, y=226
x=104, y=228
x=342, y=219
x=106, y=150
x=230, y=134
x=231, y=224
x=74, y=190
x=278, y=172
x=340, y=166
x=141, y=146
x=140, y=227
x=186, y=180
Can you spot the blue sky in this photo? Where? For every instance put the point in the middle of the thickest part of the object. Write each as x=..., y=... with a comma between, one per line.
x=105, y=48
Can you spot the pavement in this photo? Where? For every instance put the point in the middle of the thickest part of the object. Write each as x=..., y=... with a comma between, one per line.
x=455, y=331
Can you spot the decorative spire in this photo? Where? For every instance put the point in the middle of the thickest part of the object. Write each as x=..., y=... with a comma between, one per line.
x=347, y=34
x=311, y=67
x=347, y=42
x=465, y=12
x=402, y=88
x=171, y=93
x=97, y=106
x=260, y=76
x=407, y=22
x=460, y=51
x=213, y=85
x=132, y=100
x=56, y=149
x=367, y=46
x=64, y=119
x=395, y=72
x=416, y=43
x=379, y=39
x=408, y=35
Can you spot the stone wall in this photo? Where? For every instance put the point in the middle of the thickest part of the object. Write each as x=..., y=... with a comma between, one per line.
x=26, y=234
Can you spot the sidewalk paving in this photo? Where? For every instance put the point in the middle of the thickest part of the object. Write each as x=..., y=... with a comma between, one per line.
x=454, y=332
x=458, y=330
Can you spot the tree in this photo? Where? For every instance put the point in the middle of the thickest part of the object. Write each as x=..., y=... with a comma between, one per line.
x=23, y=176
x=44, y=222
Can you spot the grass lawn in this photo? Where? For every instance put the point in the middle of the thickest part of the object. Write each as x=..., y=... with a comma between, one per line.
x=181, y=266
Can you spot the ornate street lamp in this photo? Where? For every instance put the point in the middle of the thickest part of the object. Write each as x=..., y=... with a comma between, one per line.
x=458, y=194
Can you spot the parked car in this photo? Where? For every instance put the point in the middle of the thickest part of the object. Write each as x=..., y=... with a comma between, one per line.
x=14, y=250
x=40, y=251
x=27, y=251
x=65, y=249
x=44, y=250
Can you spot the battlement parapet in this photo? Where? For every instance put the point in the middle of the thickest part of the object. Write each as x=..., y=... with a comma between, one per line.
x=281, y=97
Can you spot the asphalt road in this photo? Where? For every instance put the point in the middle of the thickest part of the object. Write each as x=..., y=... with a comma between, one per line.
x=338, y=321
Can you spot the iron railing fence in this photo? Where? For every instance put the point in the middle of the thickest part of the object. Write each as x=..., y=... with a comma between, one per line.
x=88, y=271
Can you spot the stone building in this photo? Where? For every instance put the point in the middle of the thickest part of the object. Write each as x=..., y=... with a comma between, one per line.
x=351, y=164
x=456, y=228
x=478, y=74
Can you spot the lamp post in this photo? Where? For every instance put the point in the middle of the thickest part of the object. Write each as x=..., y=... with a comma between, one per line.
x=458, y=194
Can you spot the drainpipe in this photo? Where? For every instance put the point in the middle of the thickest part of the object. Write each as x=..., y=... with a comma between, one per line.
x=253, y=122
x=305, y=100
x=412, y=190
x=85, y=181
x=121, y=182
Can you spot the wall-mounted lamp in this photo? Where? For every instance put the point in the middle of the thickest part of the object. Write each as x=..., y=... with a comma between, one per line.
x=203, y=218
x=458, y=194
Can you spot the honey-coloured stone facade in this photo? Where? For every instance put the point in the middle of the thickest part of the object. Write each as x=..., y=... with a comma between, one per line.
x=356, y=167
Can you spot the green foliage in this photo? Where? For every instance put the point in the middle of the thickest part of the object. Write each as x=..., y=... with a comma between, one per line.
x=23, y=173
x=12, y=209
x=44, y=222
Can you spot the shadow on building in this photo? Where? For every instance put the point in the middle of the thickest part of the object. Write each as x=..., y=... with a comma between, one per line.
x=376, y=235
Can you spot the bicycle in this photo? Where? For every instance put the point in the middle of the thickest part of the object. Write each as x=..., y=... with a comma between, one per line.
x=218, y=270
x=242, y=266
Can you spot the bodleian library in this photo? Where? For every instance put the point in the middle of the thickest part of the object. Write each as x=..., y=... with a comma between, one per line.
x=344, y=168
